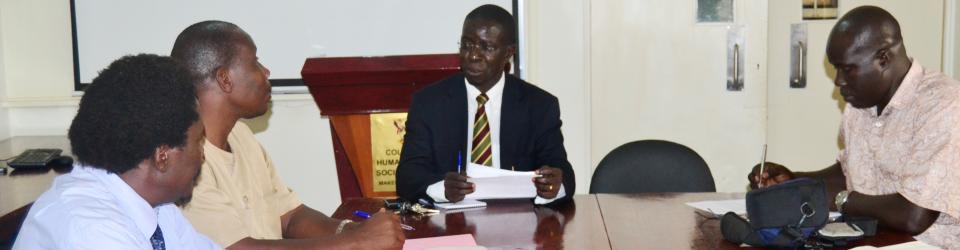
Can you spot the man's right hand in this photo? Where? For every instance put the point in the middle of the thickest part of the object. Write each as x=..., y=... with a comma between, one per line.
x=773, y=174
x=381, y=231
x=455, y=186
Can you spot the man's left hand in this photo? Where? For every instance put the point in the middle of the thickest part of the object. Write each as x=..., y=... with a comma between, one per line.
x=549, y=182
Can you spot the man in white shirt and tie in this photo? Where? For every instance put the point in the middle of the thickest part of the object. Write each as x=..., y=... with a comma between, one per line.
x=138, y=141
x=484, y=117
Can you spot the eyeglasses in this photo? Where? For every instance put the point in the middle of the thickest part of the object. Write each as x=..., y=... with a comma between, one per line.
x=486, y=48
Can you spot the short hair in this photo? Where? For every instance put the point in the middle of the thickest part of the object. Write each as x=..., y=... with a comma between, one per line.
x=879, y=25
x=207, y=46
x=135, y=105
x=498, y=15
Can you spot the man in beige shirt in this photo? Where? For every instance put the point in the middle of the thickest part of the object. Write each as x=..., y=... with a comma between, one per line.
x=901, y=131
x=239, y=201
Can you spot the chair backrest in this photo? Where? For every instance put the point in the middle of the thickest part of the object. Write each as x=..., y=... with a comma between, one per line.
x=650, y=166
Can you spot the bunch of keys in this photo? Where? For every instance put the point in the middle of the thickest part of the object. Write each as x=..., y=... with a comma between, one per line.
x=420, y=208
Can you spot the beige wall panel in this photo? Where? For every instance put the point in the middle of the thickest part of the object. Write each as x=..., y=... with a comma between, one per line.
x=556, y=61
x=656, y=74
x=803, y=123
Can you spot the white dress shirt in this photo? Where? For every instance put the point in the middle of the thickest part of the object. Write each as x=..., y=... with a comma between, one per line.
x=90, y=208
x=492, y=108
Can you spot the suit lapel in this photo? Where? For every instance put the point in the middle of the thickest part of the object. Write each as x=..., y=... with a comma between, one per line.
x=457, y=100
x=511, y=120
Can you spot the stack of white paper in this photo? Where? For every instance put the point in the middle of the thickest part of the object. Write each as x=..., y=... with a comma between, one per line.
x=494, y=183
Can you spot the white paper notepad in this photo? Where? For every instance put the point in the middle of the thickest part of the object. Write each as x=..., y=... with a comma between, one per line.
x=464, y=204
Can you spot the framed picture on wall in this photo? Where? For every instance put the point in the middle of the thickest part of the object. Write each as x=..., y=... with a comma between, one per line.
x=819, y=9
x=714, y=11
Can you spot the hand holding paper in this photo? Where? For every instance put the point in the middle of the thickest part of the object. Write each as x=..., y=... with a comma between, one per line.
x=548, y=184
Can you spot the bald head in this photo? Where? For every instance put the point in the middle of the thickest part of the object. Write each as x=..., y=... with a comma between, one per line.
x=865, y=29
x=207, y=46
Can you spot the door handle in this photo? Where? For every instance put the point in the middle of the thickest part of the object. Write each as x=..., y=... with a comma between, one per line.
x=799, y=63
x=735, y=50
x=736, y=63
x=798, y=56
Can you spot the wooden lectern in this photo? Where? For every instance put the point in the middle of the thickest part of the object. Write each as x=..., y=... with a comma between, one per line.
x=349, y=89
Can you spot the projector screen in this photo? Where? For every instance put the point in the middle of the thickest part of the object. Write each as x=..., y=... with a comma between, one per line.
x=286, y=32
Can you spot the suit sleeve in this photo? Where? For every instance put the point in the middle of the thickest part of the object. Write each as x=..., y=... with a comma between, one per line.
x=549, y=146
x=417, y=169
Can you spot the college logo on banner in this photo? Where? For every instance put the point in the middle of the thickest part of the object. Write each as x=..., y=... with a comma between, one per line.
x=386, y=140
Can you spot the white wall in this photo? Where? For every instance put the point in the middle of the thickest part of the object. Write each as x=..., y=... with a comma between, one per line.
x=4, y=116
x=37, y=49
x=557, y=55
x=37, y=70
x=37, y=93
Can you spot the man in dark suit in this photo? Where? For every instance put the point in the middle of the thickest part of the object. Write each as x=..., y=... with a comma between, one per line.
x=485, y=117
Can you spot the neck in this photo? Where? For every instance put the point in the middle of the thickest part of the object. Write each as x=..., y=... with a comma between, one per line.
x=218, y=119
x=138, y=178
x=484, y=87
x=899, y=69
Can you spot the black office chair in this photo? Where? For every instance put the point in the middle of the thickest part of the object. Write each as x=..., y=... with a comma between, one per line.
x=650, y=166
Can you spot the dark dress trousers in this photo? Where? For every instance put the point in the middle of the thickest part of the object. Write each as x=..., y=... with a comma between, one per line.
x=436, y=132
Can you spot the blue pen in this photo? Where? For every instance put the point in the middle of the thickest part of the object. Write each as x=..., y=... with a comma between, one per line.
x=460, y=162
x=367, y=216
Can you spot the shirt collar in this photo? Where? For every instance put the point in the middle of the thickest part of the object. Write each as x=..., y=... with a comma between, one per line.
x=131, y=203
x=494, y=94
x=907, y=91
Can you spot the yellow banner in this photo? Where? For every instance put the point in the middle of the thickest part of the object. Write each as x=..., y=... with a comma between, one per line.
x=386, y=140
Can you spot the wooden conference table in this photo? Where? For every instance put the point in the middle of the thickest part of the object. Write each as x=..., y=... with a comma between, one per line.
x=601, y=221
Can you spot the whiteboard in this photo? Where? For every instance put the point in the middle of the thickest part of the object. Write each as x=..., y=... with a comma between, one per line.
x=286, y=32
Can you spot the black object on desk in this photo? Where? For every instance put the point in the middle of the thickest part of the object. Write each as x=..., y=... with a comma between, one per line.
x=35, y=158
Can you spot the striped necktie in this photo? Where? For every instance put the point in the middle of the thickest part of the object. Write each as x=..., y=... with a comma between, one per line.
x=482, y=153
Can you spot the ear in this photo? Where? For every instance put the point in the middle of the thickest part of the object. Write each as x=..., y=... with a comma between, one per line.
x=224, y=82
x=883, y=57
x=161, y=158
x=511, y=51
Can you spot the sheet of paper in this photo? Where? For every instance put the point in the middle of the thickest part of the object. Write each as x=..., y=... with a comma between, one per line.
x=460, y=240
x=460, y=204
x=477, y=170
x=739, y=206
x=494, y=183
x=913, y=245
x=721, y=207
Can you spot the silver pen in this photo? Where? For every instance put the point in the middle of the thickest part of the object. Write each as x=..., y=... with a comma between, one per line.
x=763, y=160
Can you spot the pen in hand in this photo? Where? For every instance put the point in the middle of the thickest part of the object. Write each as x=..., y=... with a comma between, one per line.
x=460, y=162
x=763, y=160
x=367, y=216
